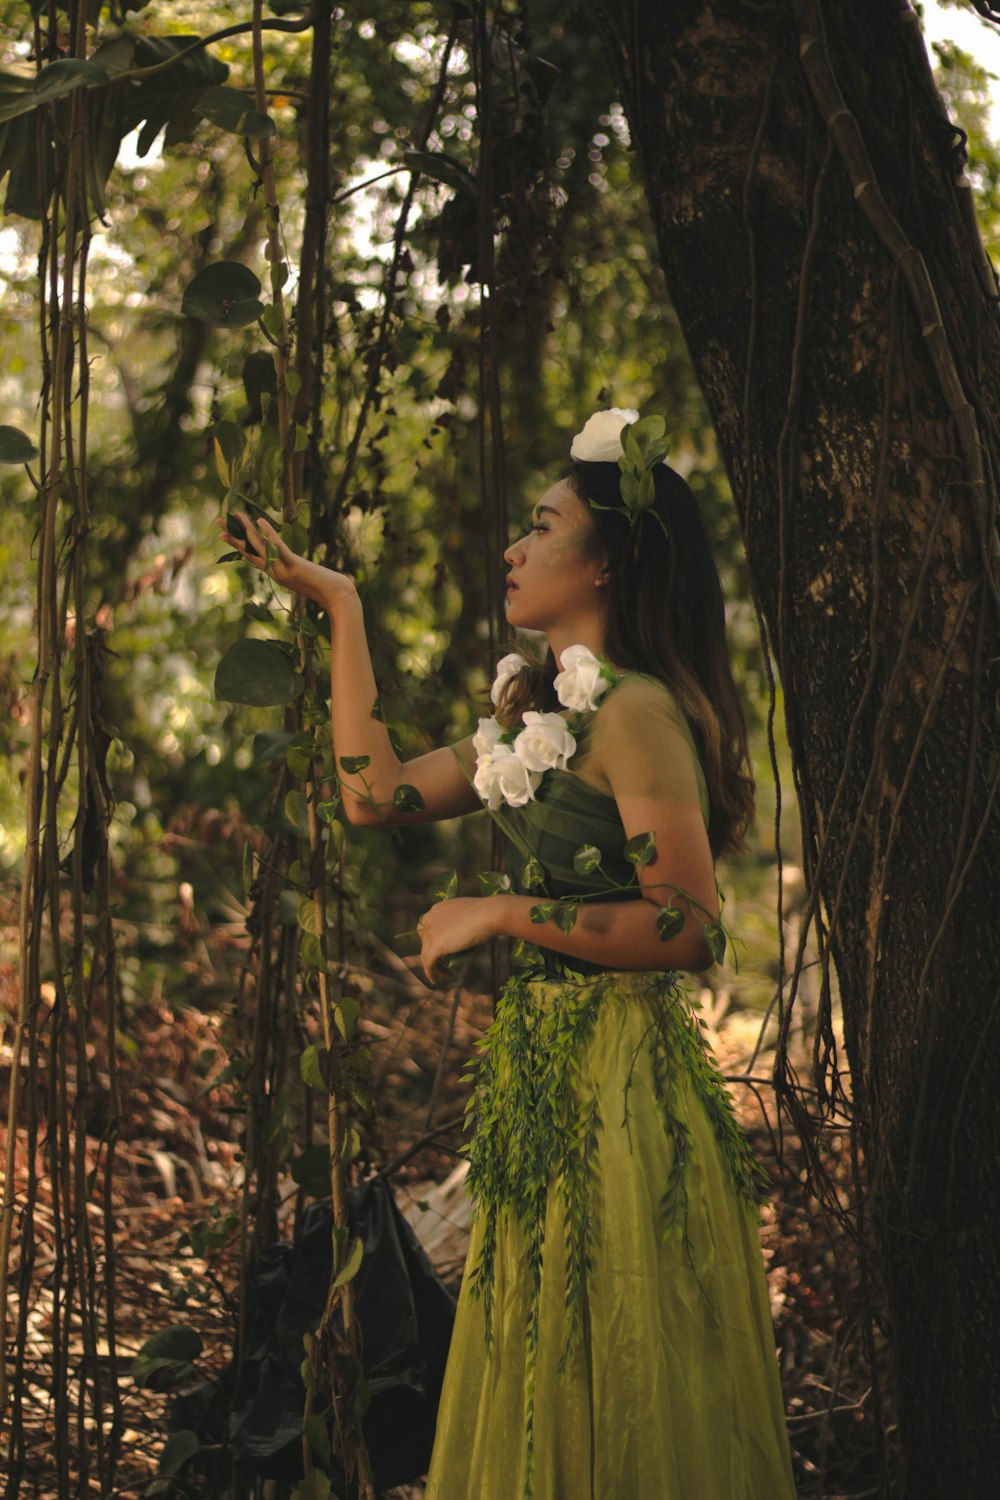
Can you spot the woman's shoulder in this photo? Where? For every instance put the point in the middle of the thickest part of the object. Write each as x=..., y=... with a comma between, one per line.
x=639, y=700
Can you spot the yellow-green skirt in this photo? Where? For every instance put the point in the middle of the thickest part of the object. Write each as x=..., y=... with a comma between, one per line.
x=613, y=1339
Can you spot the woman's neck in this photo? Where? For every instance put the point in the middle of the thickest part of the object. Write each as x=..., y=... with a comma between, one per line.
x=587, y=634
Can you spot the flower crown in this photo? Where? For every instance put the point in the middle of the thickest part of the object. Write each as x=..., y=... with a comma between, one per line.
x=636, y=444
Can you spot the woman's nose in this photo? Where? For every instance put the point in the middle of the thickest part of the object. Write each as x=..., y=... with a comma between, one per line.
x=515, y=551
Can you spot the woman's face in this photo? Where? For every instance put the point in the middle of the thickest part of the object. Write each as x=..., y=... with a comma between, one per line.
x=555, y=579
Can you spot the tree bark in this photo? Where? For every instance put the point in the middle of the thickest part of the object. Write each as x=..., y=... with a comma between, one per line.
x=806, y=200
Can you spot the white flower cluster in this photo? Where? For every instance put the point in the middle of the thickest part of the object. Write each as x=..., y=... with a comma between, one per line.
x=509, y=770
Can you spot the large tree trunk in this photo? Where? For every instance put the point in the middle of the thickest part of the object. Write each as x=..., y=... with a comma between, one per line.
x=861, y=441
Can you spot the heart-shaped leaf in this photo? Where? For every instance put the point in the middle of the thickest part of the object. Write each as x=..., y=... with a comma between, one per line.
x=445, y=887
x=235, y=111
x=258, y=673
x=407, y=799
x=16, y=447
x=716, y=941
x=669, y=921
x=226, y=293
x=311, y=1170
x=586, y=858
x=641, y=849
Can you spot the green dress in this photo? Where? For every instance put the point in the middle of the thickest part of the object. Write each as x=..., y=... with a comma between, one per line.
x=613, y=1338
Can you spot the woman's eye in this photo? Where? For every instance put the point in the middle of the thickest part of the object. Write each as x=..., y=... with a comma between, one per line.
x=539, y=526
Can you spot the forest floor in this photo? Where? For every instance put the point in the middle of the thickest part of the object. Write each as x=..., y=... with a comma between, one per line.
x=177, y=1179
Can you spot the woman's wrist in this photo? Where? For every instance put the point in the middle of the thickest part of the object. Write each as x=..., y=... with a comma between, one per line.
x=341, y=599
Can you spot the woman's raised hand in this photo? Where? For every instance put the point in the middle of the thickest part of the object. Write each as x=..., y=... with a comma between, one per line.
x=287, y=568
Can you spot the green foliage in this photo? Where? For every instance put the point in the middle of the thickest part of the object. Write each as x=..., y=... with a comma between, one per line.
x=226, y=293
x=259, y=673
x=167, y=1357
x=233, y=110
x=178, y=1451
x=445, y=887
x=16, y=447
x=640, y=849
x=669, y=922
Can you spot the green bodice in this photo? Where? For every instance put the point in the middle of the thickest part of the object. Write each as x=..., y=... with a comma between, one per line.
x=566, y=814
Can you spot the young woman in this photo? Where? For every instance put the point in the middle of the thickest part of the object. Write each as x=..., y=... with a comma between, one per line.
x=613, y=1338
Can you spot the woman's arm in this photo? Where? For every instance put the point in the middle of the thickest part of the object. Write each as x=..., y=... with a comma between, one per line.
x=615, y=934
x=438, y=776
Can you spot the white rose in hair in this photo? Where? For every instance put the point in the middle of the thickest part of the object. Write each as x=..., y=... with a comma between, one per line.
x=581, y=683
x=507, y=666
x=600, y=441
x=486, y=736
x=544, y=744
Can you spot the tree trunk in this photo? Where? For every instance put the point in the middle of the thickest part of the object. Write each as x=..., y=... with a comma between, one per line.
x=805, y=231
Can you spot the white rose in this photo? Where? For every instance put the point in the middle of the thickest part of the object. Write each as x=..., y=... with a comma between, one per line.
x=580, y=685
x=486, y=736
x=544, y=743
x=507, y=666
x=501, y=777
x=600, y=441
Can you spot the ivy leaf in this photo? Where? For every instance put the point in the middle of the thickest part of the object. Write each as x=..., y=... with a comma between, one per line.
x=566, y=915
x=315, y=1429
x=16, y=447
x=316, y=1485
x=247, y=866
x=311, y=1170
x=226, y=294
x=178, y=1451
x=229, y=445
x=311, y=953
x=306, y=917
x=445, y=887
x=295, y=811
x=532, y=875
x=352, y=1264
x=299, y=754
x=234, y=110
x=493, y=882
x=641, y=849
x=669, y=921
x=270, y=744
x=328, y=810
x=255, y=611
x=352, y=764
x=312, y=1068
x=166, y=1358
x=716, y=941
x=407, y=799
x=586, y=858
x=544, y=911
x=258, y=673
x=345, y=1014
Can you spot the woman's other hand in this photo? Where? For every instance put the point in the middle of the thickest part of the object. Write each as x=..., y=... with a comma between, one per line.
x=451, y=927
x=288, y=569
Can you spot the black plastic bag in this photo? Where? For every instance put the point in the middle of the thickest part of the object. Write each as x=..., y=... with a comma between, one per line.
x=406, y=1317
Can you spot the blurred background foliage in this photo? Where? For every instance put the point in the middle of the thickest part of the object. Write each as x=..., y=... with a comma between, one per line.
x=584, y=320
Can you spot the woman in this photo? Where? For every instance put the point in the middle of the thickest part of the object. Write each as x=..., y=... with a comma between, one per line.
x=613, y=1339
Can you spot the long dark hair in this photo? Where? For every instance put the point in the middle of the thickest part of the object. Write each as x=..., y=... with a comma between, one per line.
x=666, y=617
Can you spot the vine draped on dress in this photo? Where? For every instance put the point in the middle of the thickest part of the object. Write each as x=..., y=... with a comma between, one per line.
x=613, y=1338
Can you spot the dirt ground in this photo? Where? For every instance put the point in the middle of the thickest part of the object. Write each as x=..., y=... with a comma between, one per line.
x=178, y=1175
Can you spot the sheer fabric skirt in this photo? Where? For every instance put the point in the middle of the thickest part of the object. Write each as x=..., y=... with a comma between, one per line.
x=670, y=1388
